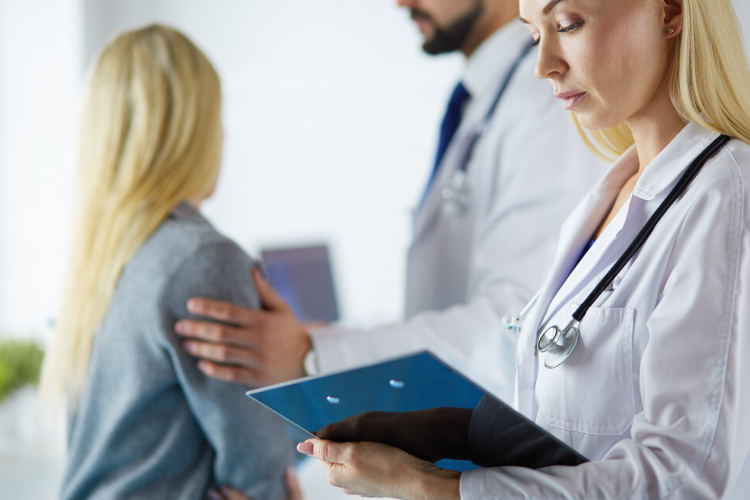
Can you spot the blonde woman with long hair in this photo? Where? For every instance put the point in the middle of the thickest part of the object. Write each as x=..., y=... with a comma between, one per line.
x=651, y=381
x=145, y=422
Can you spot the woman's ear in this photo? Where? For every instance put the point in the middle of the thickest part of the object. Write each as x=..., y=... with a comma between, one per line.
x=672, y=18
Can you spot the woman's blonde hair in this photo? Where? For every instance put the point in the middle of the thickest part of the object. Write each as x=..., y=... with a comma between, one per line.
x=709, y=80
x=150, y=137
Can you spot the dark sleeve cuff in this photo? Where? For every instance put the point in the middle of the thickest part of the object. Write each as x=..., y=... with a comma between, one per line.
x=500, y=436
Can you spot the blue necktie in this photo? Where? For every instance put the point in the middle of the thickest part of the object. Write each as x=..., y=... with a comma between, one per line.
x=448, y=128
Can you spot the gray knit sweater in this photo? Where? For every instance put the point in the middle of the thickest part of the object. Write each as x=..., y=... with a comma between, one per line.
x=150, y=425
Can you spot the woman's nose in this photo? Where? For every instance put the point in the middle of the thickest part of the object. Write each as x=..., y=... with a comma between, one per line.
x=549, y=61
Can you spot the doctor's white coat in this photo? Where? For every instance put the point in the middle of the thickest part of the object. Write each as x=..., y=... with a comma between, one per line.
x=657, y=392
x=465, y=272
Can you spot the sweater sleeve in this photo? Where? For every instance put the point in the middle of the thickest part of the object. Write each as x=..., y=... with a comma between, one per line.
x=500, y=436
x=252, y=444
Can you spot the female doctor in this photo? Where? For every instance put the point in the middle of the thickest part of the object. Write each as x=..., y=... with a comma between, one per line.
x=656, y=390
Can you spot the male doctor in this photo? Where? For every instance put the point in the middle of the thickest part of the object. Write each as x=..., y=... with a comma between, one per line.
x=470, y=262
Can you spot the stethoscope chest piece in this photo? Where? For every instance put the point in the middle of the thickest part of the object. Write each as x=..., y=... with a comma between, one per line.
x=557, y=345
x=456, y=196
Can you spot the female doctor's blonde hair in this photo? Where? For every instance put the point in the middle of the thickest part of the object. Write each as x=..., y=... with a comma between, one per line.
x=709, y=79
x=150, y=137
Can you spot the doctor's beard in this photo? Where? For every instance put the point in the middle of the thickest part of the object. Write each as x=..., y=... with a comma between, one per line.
x=452, y=37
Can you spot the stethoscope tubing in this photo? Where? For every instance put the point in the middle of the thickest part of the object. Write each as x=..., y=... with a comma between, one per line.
x=562, y=343
x=457, y=195
x=650, y=224
x=482, y=126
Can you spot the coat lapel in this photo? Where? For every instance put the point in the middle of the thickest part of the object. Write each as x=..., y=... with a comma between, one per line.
x=650, y=190
x=574, y=235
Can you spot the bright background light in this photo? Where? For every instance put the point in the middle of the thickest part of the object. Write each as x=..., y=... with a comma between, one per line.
x=330, y=110
x=331, y=114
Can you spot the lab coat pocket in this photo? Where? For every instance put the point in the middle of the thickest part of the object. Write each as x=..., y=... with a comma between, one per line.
x=593, y=391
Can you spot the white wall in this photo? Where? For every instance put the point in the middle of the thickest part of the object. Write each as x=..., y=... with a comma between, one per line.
x=742, y=7
x=39, y=71
x=331, y=113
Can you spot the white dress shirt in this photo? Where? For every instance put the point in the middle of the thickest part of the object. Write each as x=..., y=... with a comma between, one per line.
x=464, y=272
x=657, y=392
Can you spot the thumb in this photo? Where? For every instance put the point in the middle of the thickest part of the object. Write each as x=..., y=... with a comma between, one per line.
x=328, y=451
x=268, y=296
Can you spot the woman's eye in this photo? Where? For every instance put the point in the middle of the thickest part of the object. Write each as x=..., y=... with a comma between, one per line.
x=570, y=27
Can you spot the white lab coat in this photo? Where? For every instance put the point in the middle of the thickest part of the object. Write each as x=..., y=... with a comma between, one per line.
x=528, y=171
x=657, y=392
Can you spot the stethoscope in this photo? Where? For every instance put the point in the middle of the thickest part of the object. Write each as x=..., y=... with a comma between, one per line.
x=456, y=195
x=558, y=344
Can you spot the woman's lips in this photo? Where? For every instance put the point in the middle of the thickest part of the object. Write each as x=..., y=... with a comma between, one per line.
x=570, y=99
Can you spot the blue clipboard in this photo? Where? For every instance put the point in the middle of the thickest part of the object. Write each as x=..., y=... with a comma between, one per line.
x=416, y=382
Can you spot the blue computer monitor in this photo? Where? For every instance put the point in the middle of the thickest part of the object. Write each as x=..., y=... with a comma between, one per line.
x=303, y=277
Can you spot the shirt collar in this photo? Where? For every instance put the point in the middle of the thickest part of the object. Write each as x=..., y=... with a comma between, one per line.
x=664, y=170
x=496, y=54
x=672, y=161
x=185, y=210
